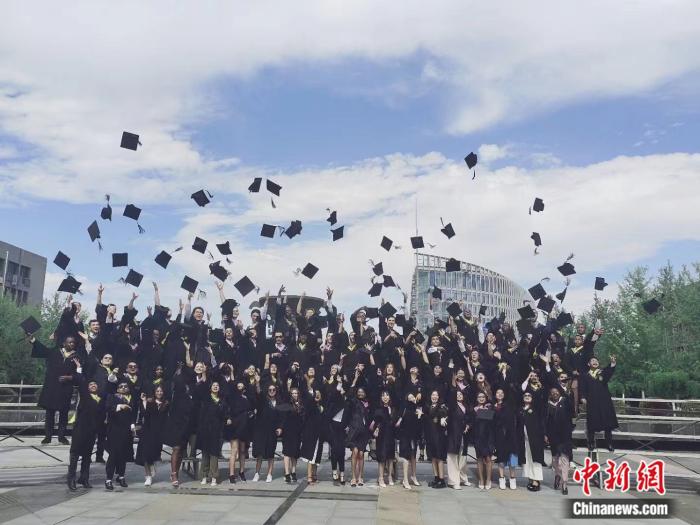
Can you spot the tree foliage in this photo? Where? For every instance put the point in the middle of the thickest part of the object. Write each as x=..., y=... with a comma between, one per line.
x=659, y=354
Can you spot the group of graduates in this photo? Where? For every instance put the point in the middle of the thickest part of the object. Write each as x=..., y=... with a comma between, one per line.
x=173, y=379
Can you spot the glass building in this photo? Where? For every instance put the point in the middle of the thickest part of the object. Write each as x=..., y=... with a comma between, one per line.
x=473, y=285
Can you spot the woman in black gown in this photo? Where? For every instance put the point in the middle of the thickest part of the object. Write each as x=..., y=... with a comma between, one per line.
x=121, y=423
x=506, y=437
x=268, y=427
x=410, y=426
x=155, y=415
x=436, y=438
x=384, y=427
x=484, y=439
x=293, y=422
x=356, y=420
x=558, y=428
x=238, y=432
x=531, y=442
x=213, y=415
x=459, y=422
x=314, y=430
x=176, y=433
x=335, y=403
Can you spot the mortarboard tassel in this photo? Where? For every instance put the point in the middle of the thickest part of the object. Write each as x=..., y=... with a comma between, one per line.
x=431, y=245
x=228, y=261
x=177, y=249
x=257, y=289
x=141, y=230
x=571, y=256
x=397, y=247
x=209, y=194
x=529, y=210
x=121, y=280
x=297, y=272
x=99, y=245
x=536, y=252
x=211, y=256
x=272, y=201
x=474, y=176
x=545, y=280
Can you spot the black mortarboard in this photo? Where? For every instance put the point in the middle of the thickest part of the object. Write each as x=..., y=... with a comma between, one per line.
x=387, y=310
x=244, y=286
x=94, y=231
x=227, y=306
x=485, y=414
x=130, y=141
x=189, y=284
x=218, y=271
x=454, y=309
x=375, y=290
x=333, y=217
x=600, y=283
x=255, y=185
x=372, y=313
x=70, y=285
x=386, y=243
x=133, y=278
x=30, y=325
x=163, y=258
x=268, y=230
x=132, y=212
x=566, y=269
x=293, y=230
x=537, y=291
x=224, y=248
x=471, y=160
x=448, y=230
x=564, y=319
x=309, y=271
x=651, y=306
x=524, y=326
x=536, y=238
x=419, y=337
x=61, y=260
x=273, y=187
x=538, y=205
x=388, y=281
x=199, y=245
x=120, y=259
x=378, y=269
x=437, y=293
x=401, y=320
x=452, y=265
x=546, y=304
x=527, y=312
x=482, y=309
x=106, y=213
x=560, y=296
x=338, y=233
x=440, y=323
x=201, y=197
x=417, y=242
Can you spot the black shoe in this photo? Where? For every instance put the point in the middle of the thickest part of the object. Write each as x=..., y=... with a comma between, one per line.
x=99, y=460
x=294, y=477
x=46, y=441
x=232, y=478
x=565, y=490
x=533, y=488
x=109, y=485
x=241, y=475
x=287, y=478
x=63, y=441
x=610, y=447
x=85, y=483
x=122, y=482
x=71, y=484
x=441, y=484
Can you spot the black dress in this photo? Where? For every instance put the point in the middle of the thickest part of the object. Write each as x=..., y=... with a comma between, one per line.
x=291, y=430
x=558, y=427
x=267, y=421
x=505, y=431
x=600, y=411
x=484, y=434
x=241, y=415
x=155, y=417
x=212, y=416
x=435, y=433
x=177, y=425
x=385, y=420
x=356, y=419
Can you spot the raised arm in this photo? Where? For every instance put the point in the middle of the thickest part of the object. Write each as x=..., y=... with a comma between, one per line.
x=220, y=287
x=100, y=290
x=156, y=294
x=299, y=304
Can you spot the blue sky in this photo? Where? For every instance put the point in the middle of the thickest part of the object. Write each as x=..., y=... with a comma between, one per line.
x=364, y=124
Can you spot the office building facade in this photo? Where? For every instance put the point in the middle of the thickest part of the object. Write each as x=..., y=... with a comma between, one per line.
x=22, y=274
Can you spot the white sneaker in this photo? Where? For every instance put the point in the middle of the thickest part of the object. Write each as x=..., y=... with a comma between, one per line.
x=268, y=479
x=204, y=481
x=512, y=483
x=256, y=477
x=148, y=482
x=213, y=483
x=502, y=483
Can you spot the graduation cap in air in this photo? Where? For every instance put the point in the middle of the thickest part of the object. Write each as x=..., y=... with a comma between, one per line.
x=388, y=281
x=189, y=284
x=436, y=293
x=471, y=160
x=419, y=337
x=70, y=285
x=376, y=290
x=130, y=141
x=482, y=309
x=309, y=271
x=527, y=312
x=417, y=242
x=255, y=185
x=560, y=296
x=244, y=286
x=199, y=245
x=566, y=269
x=120, y=259
x=293, y=230
x=538, y=205
x=106, y=213
x=61, y=260
x=386, y=243
x=202, y=197
x=338, y=233
x=273, y=187
x=218, y=271
x=563, y=319
x=224, y=248
x=452, y=265
x=537, y=291
x=546, y=304
x=377, y=269
x=30, y=326
x=536, y=239
x=94, y=232
x=448, y=230
x=600, y=284
x=163, y=259
x=454, y=309
x=132, y=212
x=651, y=306
x=227, y=306
x=268, y=230
x=387, y=310
x=133, y=278
x=333, y=217
x=524, y=326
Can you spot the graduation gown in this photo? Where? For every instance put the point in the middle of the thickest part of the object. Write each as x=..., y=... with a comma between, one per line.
x=155, y=417
x=267, y=421
x=484, y=434
x=530, y=420
x=57, y=389
x=180, y=412
x=600, y=411
x=120, y=440
x=241, y=415
x=506, y=436
x=385, y=420
x=356, y=420
x=456, y=425
x=311, y=435
x=558, y=427
x=89, y=414
x=212, y=417
x=435, y=433
x=292, y=426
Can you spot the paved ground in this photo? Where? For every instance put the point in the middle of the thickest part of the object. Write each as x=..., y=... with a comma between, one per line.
x=32, y=491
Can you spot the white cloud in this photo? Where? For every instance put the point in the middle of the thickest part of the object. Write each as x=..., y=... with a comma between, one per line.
x=492, y=152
